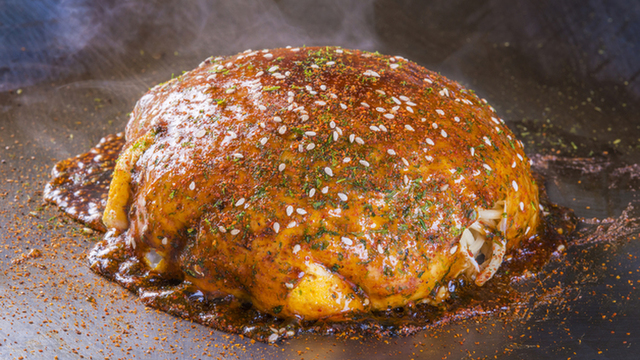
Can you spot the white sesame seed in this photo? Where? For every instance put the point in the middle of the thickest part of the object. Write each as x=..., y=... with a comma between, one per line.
x=292, y=224
x=339, y=131
x=323, y=87
x=440, y=112
x=301, y=211
x=403, y=98
x=434, y=125
x=487, y=141
x=312, y=192
x=200, y=133
x=486, y=167
x=304, y=117
x=521, y=206
x=382, y=127
x=347, y=241
x=430, y=142
x=473, y=151
x=411, y=103
x=325, y=190
x=300, y=148
x=365, y=104
x=165, y=241
x=371, y=73
x=289, y=210
x=520, y=157
x=453, y=250
x=515, y=185
x=281, y=167
x=343, y=106
x=339, y=51
x=262, y=107
x=380, y=249
x=457, y=119
x=222, y=229
x=282, y=129
x=238, y=155
x=495, y=120
x=395, y=99
x=192, y=186
x=310, y=133
x=329, y=63
x=273, y=337
x=374, y=128
x=388, y=116
x=346, y=160
x=276, y=227
x=273, y=68
x=359, y=140
x=352, y=137
x=240, y=202
x=405, y=161
x=335, y=136
x=277, y=119
x=260, y=73
x=391, y=152
x=343, y=197
x=235, y=232
x=364, y=162
x=314, y=66
x=296, y=248
x=513, y=164
x=380, y=109
x=429, y=157
x=263, y=140
x=268, y=55
x=289, y=285
x=443, y=133
x=394, y=66
x=406, y=180
x=328, y=171
x=409, y=109
x=295, y=49
x=409, y=127
x=321, y=103
x=332, y=124
x=311, y=146
x=230, y=90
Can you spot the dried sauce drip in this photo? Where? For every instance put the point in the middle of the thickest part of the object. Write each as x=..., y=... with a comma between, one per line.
x=80, y=185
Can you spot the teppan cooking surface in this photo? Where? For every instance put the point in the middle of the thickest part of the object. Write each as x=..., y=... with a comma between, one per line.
x=565, y=77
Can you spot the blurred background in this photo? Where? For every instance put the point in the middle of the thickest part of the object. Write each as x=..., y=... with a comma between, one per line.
x=565, y=75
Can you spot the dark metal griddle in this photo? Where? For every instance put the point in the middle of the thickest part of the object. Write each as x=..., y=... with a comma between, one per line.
x=565, y=75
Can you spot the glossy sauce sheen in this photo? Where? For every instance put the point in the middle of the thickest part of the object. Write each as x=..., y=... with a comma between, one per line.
x=256, y=173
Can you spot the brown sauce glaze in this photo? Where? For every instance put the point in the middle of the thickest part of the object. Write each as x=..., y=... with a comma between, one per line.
x=112, y=259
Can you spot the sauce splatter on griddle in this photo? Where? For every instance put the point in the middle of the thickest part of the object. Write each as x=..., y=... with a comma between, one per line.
x=80, y=185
